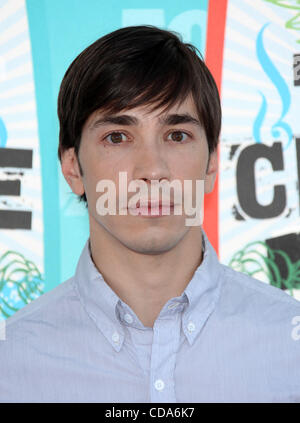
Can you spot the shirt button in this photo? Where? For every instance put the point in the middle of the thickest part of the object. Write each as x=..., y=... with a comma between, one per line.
x=128, y=318
x=159, y=384
x=116, y=337
x=191, y=326
x=172, y=305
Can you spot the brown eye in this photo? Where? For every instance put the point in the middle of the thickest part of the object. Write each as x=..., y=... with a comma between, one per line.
x=177, y=136
x=116, y=137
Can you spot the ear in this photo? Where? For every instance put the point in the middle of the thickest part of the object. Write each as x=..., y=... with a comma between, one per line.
x=211, y=172
x=71, y=171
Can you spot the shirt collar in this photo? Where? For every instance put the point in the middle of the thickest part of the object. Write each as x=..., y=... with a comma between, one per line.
x=107, y=310
x=202, y=291
x=98, y=299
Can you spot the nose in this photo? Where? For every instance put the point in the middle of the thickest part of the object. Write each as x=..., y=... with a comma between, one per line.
x=150, y=164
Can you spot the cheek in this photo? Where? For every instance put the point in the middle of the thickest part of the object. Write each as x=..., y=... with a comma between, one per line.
x=191, y=168
x=193, y=162
x=96, y=171
x=95, y=165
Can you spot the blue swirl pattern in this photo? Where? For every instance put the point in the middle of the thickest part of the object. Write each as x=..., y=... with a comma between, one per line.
x=283, y=92
x=3, y=134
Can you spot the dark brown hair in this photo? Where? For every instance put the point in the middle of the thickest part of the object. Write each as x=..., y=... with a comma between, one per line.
x=130, y=67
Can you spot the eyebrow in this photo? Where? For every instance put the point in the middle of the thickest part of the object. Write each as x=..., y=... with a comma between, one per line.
x=127, y=120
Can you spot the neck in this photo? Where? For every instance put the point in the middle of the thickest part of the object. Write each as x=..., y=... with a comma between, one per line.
x=145, y=282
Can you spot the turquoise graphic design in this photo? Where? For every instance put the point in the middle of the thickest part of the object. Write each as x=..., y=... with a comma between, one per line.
x=283, y=91
x=20, y=283
x=21, y=219
x=3, y=134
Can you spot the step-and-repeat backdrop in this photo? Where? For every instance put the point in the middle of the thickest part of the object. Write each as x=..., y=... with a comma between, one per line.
x=257, y=192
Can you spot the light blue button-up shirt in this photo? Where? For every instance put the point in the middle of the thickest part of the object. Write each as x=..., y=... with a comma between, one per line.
x=227, y=338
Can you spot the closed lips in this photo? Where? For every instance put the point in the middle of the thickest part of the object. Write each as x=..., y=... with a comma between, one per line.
x=154, y=204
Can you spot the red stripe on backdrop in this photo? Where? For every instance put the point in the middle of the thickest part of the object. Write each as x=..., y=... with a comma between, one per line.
x=216, y=21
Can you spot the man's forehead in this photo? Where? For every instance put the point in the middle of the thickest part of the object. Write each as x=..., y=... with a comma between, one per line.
x=147, y=112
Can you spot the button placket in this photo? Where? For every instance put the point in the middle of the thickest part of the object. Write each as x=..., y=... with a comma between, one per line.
x=166, y=337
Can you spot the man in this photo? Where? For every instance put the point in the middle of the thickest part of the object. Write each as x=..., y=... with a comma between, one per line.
x=150, y=314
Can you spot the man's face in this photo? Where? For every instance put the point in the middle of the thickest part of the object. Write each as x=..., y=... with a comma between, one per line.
x=146, y=149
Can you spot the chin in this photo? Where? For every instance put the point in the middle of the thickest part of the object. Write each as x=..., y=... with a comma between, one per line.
x=152, y=244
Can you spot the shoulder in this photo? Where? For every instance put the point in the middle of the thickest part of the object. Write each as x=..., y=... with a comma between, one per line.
x=51, y=306
x=263, y=317
x=256, y=296
x=38, y=340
